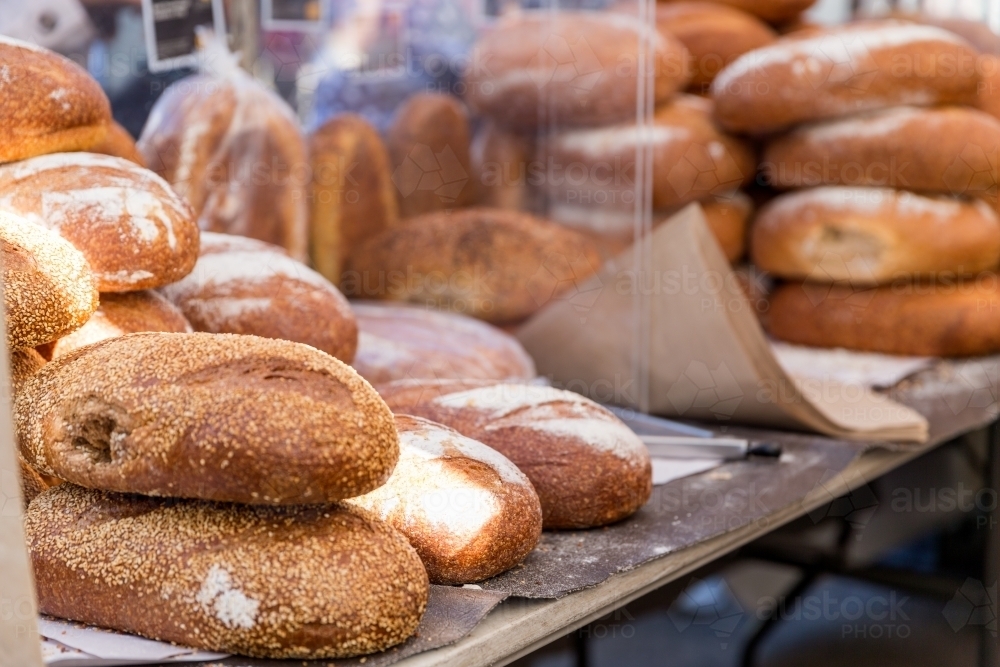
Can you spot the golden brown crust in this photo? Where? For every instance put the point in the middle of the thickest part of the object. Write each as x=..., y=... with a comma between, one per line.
x=428, y=144
x=120, y=314
x=797, y=80
x=234, y=150
x=873, y=236
x=135, y=232
x=587, y=467
x=988, y=95
x=401, y=395
x=728, y=219
x=713, y=34
x=49, y=289
x=212, y=416
x=119, y=143
x=466, y=509
x=519, y=73
x=271, y=582
x=497, y=265
x=774, y=11
x=399, y=341
x=243, y=286
x=49, y=103
x=946, y=319
x=352, y=197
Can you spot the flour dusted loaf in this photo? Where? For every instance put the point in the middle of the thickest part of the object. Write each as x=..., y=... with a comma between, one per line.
x=272, y=582
x=541, y=68
x=466, y=509
x=244, y=286
x=774, y=11
x=399, y=342
x=873, y=236
x=135, y=232
x=588, y=468
x=119, y=143
x=500, y=266
x=211, y=416
x=844, y=71
x=48, y=287
x=955, y=319
x=944, y=149
x=49, y=103
x=120, y=314
x=352, y=197
x=234, y=151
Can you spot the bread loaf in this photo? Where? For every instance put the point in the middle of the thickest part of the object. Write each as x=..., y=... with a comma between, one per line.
x=774, y=11
x=119, y=143
x=841, y=72
x=48, y=288
x=244, y=286
x=233, y=149
x=269, y=582
x=497, y=265
x=501, y=161
x=466, y=509
x=211, y=416
x=135, y=232
x=988, y=95
x=728, y=219
x=951, y=150
x=938, y=319
x=569, y=68
x=352, y=196
x=120, y=314
x=428, y=144
x=401, y=395
x=49, y=103
x=399, y=341
x=24, y=364
x=873, y=236
x=588, y=468
x=713, y=34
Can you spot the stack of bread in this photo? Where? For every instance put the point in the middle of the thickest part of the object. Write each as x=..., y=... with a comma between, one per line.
x=888, y=238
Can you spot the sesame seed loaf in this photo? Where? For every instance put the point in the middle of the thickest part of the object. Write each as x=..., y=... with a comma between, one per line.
x=466, y=509
x=498, y=265
x=119, y=143
x=211, y=416
x=49, y=289
x=120, y=314
x=321, y=581
x=48, y=103
x=135, y=232
x=588, y=468
x=244, y=286
x=24, y=364
x=400, y=341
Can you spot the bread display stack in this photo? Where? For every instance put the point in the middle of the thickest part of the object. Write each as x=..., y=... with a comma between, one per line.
x=888, y=237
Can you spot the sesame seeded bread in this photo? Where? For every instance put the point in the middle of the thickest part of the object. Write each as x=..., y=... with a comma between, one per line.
x=24, y=364
x=135, y=232
x=588, y=467
x=244, y=286
x=320, y=581
x=466, y=509
x=49, y=289
x=48, y=103
x=120, y=314
x=211, y=416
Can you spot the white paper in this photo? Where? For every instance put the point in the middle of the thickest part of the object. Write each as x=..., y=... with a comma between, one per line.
x=868, y=369
x=70, y=644
x=667, y=470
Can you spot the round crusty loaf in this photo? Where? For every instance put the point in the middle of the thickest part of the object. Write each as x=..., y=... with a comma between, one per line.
x=135, y=232
x=401, y=395
x=234, y=151
x=588, y=468
x=24, y=364
x=466, y=509
x=953, y=319
x=272, y=582
x=873, y=236
x=578, y=68
x=48, y=288
x=946, y=149
x=844, y=71
x=399, y=341
x=775, y=11
x=353, y=197
x=120, y=314
x=713, y=34
x=49, y=103
x=494, y=264
x=244, y=286
x=119, y=143
x=212, y=416
x=428, y=144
